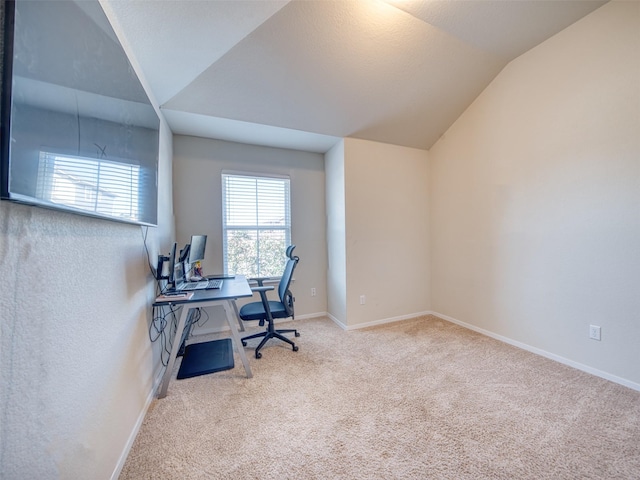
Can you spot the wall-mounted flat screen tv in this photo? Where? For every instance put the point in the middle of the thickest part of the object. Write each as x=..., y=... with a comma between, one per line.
x=78, y=130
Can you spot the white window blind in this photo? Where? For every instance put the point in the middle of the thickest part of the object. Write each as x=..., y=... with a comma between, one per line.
x=96, y=185
x=256, y=224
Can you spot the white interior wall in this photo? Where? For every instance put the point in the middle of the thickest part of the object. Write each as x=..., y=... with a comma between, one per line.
x=336, y=234
x=534, y=208
x=197, y=168
x=387, y=238
x=78, y=368
x=535, y=198
x=77, y=364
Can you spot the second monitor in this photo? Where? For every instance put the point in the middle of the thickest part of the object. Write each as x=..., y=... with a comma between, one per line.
x=196, y=255
x=196, y=250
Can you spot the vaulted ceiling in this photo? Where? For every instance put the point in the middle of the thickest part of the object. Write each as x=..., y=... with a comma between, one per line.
x=303, y=73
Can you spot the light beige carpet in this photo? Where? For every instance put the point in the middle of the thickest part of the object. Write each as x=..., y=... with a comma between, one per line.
x=417, y=399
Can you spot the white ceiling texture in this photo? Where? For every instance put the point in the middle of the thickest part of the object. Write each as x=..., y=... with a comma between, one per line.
x=303, y=73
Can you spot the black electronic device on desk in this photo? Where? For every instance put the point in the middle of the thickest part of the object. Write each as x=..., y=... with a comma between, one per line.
x=75, y=116
x=198, y=246
x=173, y=296
x=193, y=256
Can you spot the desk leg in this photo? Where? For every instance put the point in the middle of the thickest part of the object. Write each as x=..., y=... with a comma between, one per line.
x=228, y=306
x=175, y=346
x=235, y=309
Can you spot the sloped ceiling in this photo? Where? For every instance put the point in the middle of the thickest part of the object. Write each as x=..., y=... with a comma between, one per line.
x=304, y=73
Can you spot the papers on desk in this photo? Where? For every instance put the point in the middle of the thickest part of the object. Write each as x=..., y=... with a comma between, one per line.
x=174, y=297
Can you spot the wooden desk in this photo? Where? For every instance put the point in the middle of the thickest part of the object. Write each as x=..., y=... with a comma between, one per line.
x=232, y=288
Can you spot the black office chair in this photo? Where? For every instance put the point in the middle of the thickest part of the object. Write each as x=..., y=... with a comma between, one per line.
x=268, y=310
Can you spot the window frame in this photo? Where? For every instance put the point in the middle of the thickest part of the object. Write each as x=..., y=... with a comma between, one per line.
x=254, y=227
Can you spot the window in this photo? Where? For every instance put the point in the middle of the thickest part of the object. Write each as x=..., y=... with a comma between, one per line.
x=256, y=224
x=100, y=186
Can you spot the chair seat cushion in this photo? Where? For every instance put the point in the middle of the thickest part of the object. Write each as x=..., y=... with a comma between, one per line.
x=255, y=311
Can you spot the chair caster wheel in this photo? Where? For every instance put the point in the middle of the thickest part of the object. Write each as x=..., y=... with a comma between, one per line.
x=258, y=355
x=244, y=344
x=297, y=334
x=295, y=349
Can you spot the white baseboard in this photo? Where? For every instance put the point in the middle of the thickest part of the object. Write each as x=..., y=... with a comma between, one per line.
x=136, y=427
x=311, y=315
x=225, y=327
x=376, y=322
x=336, y=321
x=585, y=368
x=552, y=356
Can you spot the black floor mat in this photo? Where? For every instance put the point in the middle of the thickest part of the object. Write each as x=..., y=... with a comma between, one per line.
x=207, y=357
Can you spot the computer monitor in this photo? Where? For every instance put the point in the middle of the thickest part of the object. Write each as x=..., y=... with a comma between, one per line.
x=196, y=251
x=172, y=266
x=183, y=253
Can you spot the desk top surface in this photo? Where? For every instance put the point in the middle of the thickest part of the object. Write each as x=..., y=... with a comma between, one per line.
x=237, y=287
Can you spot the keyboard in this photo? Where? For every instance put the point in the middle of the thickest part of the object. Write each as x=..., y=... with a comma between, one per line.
x=201, y=285
x=213, y=283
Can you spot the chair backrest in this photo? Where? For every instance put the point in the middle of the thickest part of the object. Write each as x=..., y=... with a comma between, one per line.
x=286, y=297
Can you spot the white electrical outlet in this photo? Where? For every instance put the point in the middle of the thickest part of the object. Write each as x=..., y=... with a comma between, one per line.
x=594, y=332
x=363, y=299
x=313, y=292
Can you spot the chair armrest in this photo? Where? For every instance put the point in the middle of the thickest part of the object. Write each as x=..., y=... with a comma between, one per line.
x=265, y=301
x=259, y=280
x=262, y=288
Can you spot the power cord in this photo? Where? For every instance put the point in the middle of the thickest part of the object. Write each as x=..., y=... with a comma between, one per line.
x=162, y=316
x=145, y=231
x=159, y=288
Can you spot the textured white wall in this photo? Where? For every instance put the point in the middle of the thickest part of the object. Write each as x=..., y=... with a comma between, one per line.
x=77, y=363
x=198, y=164
x=535, y=198
x=387, y=237
x=77, y=369
x=336, y=233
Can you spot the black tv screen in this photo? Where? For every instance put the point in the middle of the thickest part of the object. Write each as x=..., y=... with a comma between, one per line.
x=78, y=130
